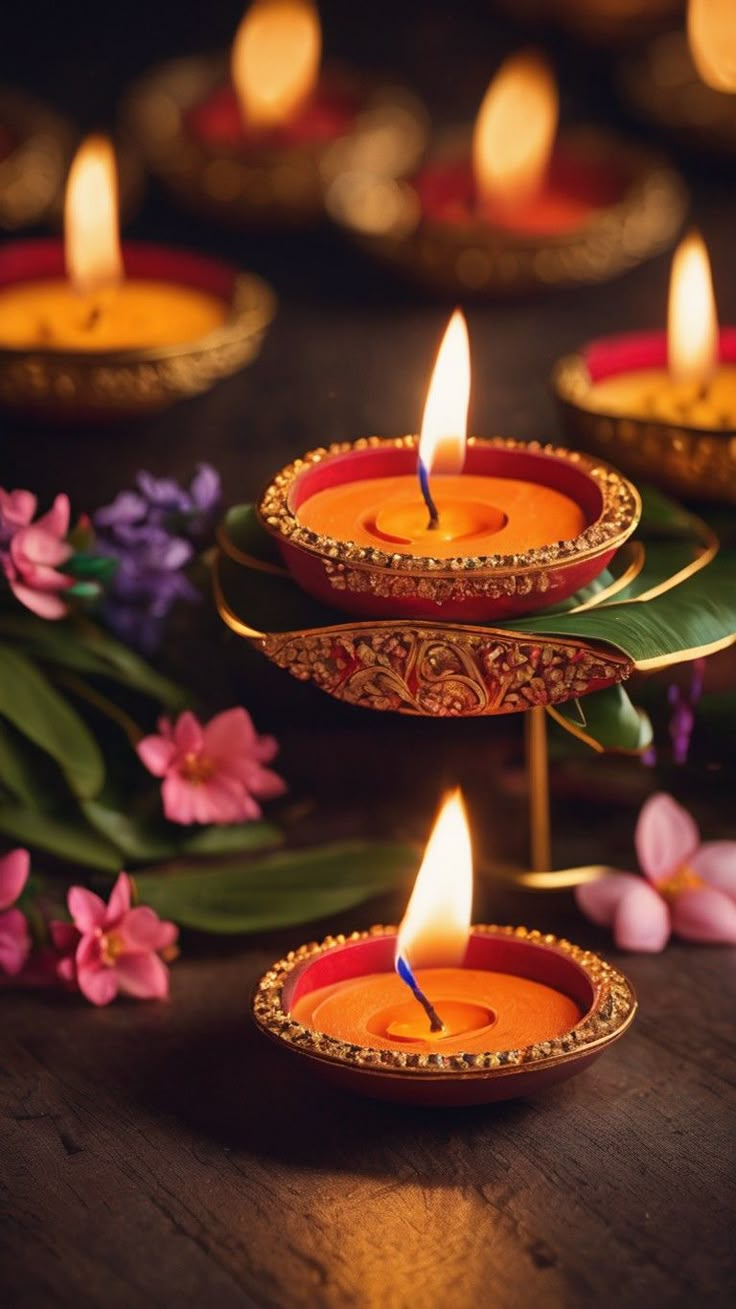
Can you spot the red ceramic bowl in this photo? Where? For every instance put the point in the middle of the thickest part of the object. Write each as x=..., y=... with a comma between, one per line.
x=373, y=584
x=606, y=999
x=74, y=385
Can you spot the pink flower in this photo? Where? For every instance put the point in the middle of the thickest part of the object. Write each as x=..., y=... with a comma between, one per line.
x=15, y=941
x=212, y=773
x=690, y=887
x=31, y=552
x=110, y=947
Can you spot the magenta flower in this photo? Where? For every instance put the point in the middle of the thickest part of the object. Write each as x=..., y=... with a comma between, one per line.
x=111, y=948
x=690, y=887
x=214, y=772
x=31, y=552
x=15, y=941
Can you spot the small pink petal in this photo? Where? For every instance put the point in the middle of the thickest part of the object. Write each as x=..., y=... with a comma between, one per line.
x=142, y=929
x=56, y=521
x=86, y=908
x=666, y=836
x=36, y=546
x=642, y=920
x=143, y=975
x=66, y=970
x=705, y=914
x=188, y=734
x=178, y=799
x=99, y=985
x=715, y=862
x=44, y=603
x=223, y=800
x=600, y=900
x=266, y=784
x=17, y=507
x=229, y=736
x=156, y=753
x=14, y=869
x=266, y=749
x=119, y=902
x=15, y=942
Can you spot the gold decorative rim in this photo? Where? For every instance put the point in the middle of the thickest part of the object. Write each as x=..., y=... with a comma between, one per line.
x=612, y=1012
x=618, y=518
x=475, y=257
x=32, y=173
x=284, y=184
x=695, y=460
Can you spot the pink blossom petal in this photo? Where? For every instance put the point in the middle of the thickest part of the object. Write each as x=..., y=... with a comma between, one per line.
x=142, y=929
x=266, y=749
x=178, y=799
x=34, y=545
x=56, y=521
x=86, y=908
x=14, y=869
x=156, y=753
x=66, y=970
x=17, y=507
x=666, y=837
x=15, y=942
x=88, y=951
x=642, y=920
x=266, y=784
x=705, y=914
x=223, y=800
x=44, y=603
x=188, y=734
x=600, y=900
x=715, y=862
x=229, y=737
x=119, y=902
x=99, y=985
x=143, y=975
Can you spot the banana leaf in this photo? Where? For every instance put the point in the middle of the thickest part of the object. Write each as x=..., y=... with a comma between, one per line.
x=606, y=720
x=69, y=839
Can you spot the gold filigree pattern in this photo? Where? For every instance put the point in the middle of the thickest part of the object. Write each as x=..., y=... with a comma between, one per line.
x=612, y=1011
x=353, y=567
x=476, y=258
x=683, y=459
x=138, y=381
x=446, y=673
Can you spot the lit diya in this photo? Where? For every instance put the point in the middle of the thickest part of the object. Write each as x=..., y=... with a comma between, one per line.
x=686, y=81
x=441, y=527
x=663, y=404
x=439, y=1012
x=518, y=204
x=251, y=140
x=92, y=328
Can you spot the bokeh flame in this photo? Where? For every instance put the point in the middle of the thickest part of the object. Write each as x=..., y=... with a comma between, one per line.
x=275, y=60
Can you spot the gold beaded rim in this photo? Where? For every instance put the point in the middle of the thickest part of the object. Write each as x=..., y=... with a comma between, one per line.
x=619, y=516
x=611, y=1013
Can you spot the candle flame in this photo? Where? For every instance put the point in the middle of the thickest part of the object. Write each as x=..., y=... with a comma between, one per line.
x=711, y=30
x=435, y=928
x=445, y=419
x=692, y=323
x=275, y=59
x=91, y=226
x=515, y=130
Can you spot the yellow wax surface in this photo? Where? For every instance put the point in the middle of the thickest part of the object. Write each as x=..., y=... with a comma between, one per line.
x=477, y=515
x=134, y=315
x=651, y=393
x=481, y=1010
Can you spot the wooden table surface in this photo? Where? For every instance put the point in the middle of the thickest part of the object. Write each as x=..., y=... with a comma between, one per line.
x=165, y=1155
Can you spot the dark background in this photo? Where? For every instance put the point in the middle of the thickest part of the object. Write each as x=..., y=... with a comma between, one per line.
x=161, y=1155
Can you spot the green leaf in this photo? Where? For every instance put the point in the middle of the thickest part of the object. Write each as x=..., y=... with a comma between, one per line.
x=279, y=891
x=241, y=527
x=236, y=838
x=607, y=720
x=137, y=840
x=32, y=705
x=16, y=769
x=68, y=839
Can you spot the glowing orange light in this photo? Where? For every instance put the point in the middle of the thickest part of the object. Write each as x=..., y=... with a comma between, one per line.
x=275, y=59
x=445, y=419
x=91, y=226
x=692, y=322
x=435, y=928
x=711, y=31
x=515, y=130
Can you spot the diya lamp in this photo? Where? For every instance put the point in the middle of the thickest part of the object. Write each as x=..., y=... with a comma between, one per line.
x=444, y=528
x=517, y=205
x=250, y=141
x=439, y=1012
x=662, y=404
x=90, y=328
x=685, y=81
x=35, y=146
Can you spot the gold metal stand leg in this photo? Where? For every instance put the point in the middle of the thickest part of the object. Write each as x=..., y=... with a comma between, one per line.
x=537, y=771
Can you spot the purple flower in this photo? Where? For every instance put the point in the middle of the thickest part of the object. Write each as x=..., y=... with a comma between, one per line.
x=152, y=533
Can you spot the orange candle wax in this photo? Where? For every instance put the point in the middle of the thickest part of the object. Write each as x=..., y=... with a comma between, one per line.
x=478, y=515
x=481, y=1011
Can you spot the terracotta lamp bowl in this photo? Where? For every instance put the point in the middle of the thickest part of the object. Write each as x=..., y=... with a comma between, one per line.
x=75, y=385
x=605, y=998
x=371, y=583
x=686, y=459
